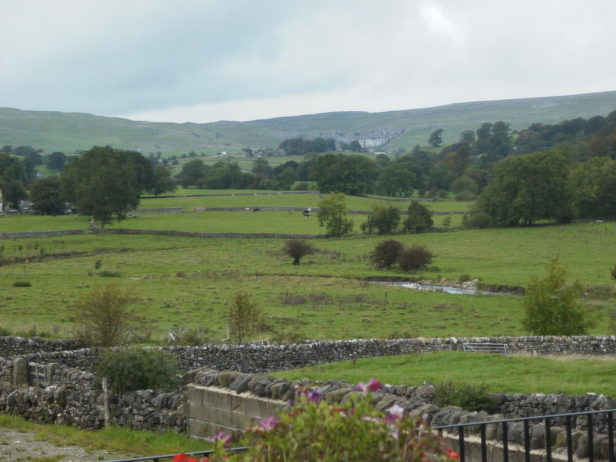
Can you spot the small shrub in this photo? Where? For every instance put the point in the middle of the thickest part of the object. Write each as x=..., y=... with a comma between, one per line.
x=386, y=253
x=464, y=278
x=137, y=369
x=613, y=272
x=245, y=317
x=104, y=315
x=109, y=274
x=465, y=395
x=414, y=258
x=298, y=248
x=22, y=284
x=479, y=220
x=98, y=264
x=447, y=221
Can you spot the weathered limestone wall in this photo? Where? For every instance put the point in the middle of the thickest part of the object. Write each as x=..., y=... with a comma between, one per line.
x=209, y=410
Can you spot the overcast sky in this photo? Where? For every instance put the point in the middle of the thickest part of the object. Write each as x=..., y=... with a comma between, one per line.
x=208, y=60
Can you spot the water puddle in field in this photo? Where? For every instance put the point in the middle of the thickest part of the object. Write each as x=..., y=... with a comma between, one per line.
x=445, y=289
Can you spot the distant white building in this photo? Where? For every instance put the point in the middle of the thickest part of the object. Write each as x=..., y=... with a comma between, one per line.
x=1, y=209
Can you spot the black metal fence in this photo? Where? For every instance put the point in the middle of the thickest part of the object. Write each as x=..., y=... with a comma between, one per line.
x=572, y=422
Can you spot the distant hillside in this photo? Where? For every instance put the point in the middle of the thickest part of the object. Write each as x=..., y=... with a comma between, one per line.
x=389, y=131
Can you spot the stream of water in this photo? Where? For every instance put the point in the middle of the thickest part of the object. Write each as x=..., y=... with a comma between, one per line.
x=446, y=289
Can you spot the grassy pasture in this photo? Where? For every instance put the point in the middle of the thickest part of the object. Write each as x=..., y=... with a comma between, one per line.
x=189, y=282
x=503, y=374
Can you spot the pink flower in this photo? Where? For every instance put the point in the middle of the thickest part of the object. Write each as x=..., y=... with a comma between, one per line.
x=315, y=397
x=372, y=385
x=395, y=411
x=220, y=436
x=269, y=423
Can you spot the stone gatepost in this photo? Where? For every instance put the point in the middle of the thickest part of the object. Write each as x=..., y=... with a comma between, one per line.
x=20, y=372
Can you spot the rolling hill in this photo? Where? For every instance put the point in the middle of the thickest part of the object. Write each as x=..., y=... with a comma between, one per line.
x=388, y=131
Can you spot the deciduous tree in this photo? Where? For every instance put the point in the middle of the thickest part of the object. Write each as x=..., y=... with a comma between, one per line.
x=333, y=215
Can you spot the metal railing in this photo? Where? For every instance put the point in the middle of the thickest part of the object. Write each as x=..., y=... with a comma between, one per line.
x=547, y=420
x=548, y=441
x=171, y=456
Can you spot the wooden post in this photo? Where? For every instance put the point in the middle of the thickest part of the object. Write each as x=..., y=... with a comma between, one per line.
x=105, y=384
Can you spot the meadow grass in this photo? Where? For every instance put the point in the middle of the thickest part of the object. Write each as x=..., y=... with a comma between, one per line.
x=114, y=439
x=190, y=282
x=502, y=374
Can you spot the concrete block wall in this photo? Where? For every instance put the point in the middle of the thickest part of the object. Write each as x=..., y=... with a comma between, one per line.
x=209, y=410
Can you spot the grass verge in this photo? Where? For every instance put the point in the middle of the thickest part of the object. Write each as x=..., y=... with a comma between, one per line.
x=502, y=374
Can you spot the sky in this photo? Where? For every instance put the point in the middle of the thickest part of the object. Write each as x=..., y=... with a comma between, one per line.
x=210, y=60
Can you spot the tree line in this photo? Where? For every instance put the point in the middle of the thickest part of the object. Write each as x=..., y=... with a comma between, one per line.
x=102, y=182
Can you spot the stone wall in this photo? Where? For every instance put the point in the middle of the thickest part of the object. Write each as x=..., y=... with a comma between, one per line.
x=72, y=399
x=14, y=346
x=264, y=357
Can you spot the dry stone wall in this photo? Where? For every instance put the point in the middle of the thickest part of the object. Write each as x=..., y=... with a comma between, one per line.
x=265, y=357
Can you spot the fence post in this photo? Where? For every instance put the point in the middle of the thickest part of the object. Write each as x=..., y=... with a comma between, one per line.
x=105, y=385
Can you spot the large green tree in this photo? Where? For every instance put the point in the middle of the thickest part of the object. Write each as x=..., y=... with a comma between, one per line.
x=46, y=197
x=103, y=183
x=528, y=188
x=348, y=174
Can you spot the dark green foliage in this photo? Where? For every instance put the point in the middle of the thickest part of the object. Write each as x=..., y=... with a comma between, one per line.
x=348, y=174
x=419, y=218
x=414, y=258
x=298, y=248
x=22, y=284
x=436, y=138
x=527, y=188
x=56, y=161
x=396, y=179
x=46, y=196
x=476, y=219
x=551, y=305
x=129, y=369
x=109, y=274
x=104, y=182
x=386, y=253
x=613, y=272
x=300, y=146
x=465, y=395
x=383, y=219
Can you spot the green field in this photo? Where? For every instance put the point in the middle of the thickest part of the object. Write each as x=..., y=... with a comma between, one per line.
x=189, y=282
x=502, y=374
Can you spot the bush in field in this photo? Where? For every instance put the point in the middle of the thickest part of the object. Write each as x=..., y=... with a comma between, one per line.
x=419, y=218
x=613, y=272
x=104, y=314
x=383, y=219
x=130, y=369
x=245, y=317
x=476, y=219
x=386, y=253
x=414, y=258
x=551, y=306
x=298, y=248
x=465, y=395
